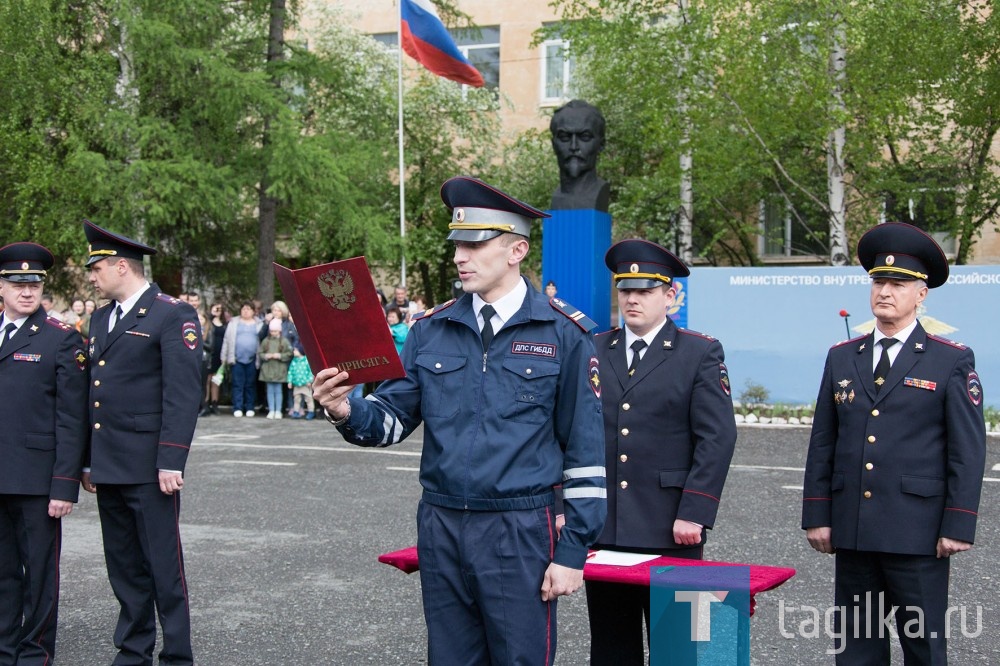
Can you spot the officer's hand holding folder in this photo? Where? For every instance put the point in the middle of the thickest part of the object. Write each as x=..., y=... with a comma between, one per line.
x=340, y=319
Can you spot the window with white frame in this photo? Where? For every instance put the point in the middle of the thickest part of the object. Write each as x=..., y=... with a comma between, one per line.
x=787, y=231
x=926, y=199
x=481, y=46
x=387, y=39
x=557, y=71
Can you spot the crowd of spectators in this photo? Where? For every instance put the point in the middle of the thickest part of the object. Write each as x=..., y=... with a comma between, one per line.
x=254, y=359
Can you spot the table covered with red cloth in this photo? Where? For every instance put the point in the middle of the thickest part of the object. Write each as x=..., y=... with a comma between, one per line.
x=762, y=577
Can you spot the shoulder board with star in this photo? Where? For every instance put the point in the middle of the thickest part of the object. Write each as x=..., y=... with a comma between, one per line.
x=429, y=311
x=946, y=341
x=167, y=298
x=61, y=325
x=847, y=342
x=574, y=315
x=704, y=336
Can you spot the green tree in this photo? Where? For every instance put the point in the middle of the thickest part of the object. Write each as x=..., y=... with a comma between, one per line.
x=766, y=92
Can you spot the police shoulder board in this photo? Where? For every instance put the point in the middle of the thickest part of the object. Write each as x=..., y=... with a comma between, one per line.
x=430, y=311
x=574, y=315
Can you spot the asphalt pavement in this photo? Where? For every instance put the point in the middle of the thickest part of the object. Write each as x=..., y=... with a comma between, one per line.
x=282, y=522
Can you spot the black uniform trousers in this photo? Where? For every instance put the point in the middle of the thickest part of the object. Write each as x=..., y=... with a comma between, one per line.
x=142, y=548
x=29, y=570
x=868, y=585
x=616, y=615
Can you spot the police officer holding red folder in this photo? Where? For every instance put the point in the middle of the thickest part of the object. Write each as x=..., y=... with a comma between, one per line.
x=43, y=381
x=506, y=384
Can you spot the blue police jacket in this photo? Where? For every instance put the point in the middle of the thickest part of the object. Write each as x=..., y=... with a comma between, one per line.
x=43, y=378
x=504, y=426
x=145, y=388
x=893, y=471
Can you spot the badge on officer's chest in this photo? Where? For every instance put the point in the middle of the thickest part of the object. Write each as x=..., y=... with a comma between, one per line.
x=843, y=397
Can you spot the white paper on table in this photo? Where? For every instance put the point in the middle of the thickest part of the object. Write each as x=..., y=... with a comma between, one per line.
x=617, y=558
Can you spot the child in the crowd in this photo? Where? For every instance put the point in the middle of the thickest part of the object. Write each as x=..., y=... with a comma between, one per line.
x=399, y=329
x=300, y=378
x=275, y=353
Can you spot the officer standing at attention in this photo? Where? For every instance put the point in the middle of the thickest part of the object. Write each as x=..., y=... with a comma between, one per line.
x=145, y=359
x=43, y=380
x=896, y=459
x=506, y=385
x=669, y=431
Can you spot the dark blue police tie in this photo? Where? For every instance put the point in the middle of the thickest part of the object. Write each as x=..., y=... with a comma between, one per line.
x=882, y=369
x=118, y=318
x=8, y=331
x=487, y=312
x=636, y=347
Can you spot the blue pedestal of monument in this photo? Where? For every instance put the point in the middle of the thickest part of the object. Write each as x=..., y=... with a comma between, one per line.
x=573, y=247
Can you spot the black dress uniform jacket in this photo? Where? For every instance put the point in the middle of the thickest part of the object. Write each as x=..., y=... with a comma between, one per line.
x=669, y=432
x=145, y=389
x=43, y=379
x=894, y=471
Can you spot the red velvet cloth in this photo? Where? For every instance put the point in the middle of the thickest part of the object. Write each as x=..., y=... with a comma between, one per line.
x=762, y=577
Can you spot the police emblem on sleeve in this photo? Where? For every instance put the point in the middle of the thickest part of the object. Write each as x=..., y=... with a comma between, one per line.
x=337, y=287
x=974, y=388
x=81, y=359
x=594, y=376
x=724, y=379
x=189, y=334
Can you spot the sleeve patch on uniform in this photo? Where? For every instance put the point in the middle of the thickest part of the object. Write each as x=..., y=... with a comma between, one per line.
x=974, y=388
x=189, y=333
x=724, y=379
x=594, y=377
x=81, y=359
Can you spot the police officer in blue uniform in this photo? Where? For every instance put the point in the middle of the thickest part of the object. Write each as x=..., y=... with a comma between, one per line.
x=506, y=384
x=669, y=431
x=145, y=388
x=896, y=459
x=43, y=380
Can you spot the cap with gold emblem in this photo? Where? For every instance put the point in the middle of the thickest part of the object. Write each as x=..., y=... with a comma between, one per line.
x=640, y=264
x=24, y=262
x=480, y=212
x=902, y=252
x=105, y=244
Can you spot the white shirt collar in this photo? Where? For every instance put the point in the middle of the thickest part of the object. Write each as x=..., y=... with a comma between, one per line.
x=18, y=323
x=902, y=335
x=130, y=302
x=631, y=337
x=506, y=306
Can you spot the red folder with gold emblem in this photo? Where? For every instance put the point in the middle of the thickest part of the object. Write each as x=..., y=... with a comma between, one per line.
x=340, y=319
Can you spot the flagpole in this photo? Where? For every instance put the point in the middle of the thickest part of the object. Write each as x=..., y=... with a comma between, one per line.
x=402, y=164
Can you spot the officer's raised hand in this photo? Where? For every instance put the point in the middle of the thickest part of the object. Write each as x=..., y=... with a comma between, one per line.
x=330, y=390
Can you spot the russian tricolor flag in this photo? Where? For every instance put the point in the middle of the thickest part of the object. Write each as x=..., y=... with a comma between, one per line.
x=427, y=41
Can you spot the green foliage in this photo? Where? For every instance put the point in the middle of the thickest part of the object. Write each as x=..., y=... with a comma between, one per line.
x=164, y=121
x=749, y=90
x=753, y=394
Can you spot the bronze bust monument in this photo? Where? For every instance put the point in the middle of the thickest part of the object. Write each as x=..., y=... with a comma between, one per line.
x=578, y=138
